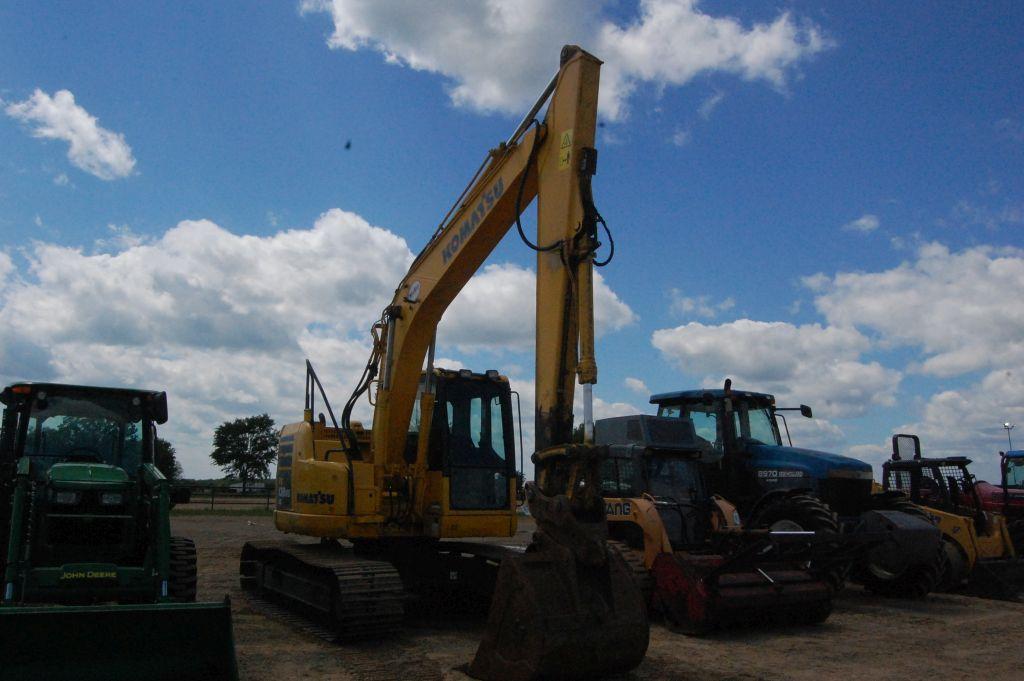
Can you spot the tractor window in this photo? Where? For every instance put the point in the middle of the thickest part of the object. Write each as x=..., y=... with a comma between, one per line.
x=755, y=425
x=99, y=430
x=9, y=428
x=705, y=421
x=1015, y=473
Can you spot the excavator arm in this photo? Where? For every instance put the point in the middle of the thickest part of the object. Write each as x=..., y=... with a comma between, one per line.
x=552, y=161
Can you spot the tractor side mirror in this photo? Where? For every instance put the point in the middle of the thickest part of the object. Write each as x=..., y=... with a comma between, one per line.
x=806, y=412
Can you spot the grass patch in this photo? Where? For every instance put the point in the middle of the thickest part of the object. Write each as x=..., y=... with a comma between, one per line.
x=223, y=511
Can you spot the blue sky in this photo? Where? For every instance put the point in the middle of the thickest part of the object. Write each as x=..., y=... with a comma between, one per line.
x=821, y=200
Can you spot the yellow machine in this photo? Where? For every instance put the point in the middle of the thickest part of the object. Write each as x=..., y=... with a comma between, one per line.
x=438, y=464
x=978, y=544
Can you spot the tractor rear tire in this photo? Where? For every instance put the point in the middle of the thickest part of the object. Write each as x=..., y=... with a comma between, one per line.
x=803, y=512
x=184, y=571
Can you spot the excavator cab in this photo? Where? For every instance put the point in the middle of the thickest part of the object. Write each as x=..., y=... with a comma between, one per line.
x=471, y=439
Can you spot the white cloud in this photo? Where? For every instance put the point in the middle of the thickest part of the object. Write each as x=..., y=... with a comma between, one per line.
x=812, y=364
x=968, y=214
x=61, y=180
x=223, y=321
x=865, y=224
x=966, y=421
x=681, y=138
x=964, y=310
x=637, y=385
x=497, y=310
x=700, y=306
x=95, y=150
x=499, y=55
x=817, y=433
x=6, y=268
x=708, y=106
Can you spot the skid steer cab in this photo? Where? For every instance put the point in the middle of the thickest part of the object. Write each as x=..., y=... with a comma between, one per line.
x=693, y=562
x=84, y=524
x=978, y=543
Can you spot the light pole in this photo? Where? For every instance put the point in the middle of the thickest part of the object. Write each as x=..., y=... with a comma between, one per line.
x=1008, y=426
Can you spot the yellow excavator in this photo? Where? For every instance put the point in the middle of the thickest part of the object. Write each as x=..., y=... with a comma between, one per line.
x=438, y=465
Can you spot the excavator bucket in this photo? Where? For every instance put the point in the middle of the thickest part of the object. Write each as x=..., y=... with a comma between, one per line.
x=156, y=642
x=554, y=618
x=565, y=609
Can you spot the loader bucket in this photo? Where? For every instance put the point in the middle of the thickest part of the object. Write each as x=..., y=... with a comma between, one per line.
x=1001, y=579
x=109, y=642
x=553, y=617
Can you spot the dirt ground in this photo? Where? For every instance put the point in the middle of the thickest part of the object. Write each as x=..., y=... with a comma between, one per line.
x=942, y=637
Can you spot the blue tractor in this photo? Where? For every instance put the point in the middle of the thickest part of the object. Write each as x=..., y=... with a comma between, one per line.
x=893, y=547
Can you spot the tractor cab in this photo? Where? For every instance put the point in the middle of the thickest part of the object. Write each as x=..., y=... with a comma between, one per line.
x=53, y=425
x=1013, y=469
x=83, y=448
x=757, y=465
x=658, y=459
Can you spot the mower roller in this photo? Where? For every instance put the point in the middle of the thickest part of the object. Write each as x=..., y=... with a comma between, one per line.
x=94, y=585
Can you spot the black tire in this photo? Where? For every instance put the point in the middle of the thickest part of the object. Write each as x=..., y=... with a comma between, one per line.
x=956, y=572
x=917, y=581
x=184, y=571
x=805, y=512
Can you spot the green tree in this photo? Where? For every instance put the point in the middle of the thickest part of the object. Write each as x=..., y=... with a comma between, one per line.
x=166, y=459
x=244, y=448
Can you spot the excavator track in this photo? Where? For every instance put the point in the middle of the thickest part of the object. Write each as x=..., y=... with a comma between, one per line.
x=349, y=596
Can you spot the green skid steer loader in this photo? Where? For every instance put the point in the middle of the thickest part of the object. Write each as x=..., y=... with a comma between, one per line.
x=94, y=585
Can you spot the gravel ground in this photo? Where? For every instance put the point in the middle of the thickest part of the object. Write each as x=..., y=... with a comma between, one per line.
x=943, y=637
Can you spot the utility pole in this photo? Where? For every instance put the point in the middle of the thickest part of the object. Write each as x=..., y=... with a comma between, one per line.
x=1008, y=426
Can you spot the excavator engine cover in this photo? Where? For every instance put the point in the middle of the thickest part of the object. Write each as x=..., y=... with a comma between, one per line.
x=565, y=609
